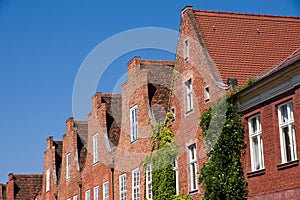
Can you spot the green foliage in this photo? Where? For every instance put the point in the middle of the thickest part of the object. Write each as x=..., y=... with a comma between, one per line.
x=164, y=151
x=222, y=175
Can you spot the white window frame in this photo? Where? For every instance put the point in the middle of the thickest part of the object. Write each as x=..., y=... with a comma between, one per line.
x=286, y=122
x=136, y=184
x=186, y=50
x=68, y=166
x=122, y=186
x=149, y=194
x=189, y=95
x=96, y=193
x=105, y=191
x=207, y=93
x=193, y=166
x=87, y=195
x=95, y=149
x=176, y=176
x=256, y=148
x=48, y=180
x=133, y=123
x=75, y=197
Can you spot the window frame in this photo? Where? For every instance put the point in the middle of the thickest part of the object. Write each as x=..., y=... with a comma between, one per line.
x=95, y=149
x=193, y=167
x=186, y=50
x=136, y=185
x=288, y=123
x=87, y=195
x=134, y=123
x=96, y=192
x=149, y=193
x=105, y=192
x=48, y=180
x=176, y=170
x=256, y=133
x=189, y=95
x=75, y=197
x=207, y=93
x=122, y=187
x=68, y=166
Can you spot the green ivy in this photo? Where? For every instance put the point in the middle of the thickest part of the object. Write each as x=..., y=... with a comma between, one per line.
x=222, y=175
x=164, y=151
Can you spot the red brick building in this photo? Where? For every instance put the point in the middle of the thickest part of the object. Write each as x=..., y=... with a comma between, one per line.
x=271, y=112
x=216, y=51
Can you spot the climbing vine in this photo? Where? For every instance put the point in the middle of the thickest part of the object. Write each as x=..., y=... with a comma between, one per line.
x=222, y=175
x=164, y=151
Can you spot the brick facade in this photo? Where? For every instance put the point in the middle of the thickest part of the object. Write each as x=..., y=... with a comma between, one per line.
x=212, y=58
x=277, y=179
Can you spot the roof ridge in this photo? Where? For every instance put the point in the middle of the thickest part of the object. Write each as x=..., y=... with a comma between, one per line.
x=247, y=15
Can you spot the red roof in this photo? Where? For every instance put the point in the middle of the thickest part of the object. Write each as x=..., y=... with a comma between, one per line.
x=244, y=45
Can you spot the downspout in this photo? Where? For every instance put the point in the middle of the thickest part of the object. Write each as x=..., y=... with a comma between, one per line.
x=112, y=169
x=80, y=188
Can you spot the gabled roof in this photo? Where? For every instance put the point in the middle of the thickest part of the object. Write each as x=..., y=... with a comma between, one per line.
x=244, y=45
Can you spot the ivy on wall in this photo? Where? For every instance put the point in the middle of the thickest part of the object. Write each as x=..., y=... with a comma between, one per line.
x=164, y=151
x=222, y=175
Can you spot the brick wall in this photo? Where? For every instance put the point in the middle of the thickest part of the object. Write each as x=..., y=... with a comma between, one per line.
x=279, y=181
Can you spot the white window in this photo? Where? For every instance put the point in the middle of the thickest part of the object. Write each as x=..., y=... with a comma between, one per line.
x=95, y=148
x=256, y=144
x=68, y=166
x=68, y=199
x=176, y=176
x=189, y=95
x=207, y=94
x=47, y=180
x=105, y=191
x=287, y=132
x=193, y=168
x=186, y=49
x=87, y=195
x=149, y=182
x=134, y=123
x=96, y=193
x=75, y=197
x=122, y=180
x=136, y=184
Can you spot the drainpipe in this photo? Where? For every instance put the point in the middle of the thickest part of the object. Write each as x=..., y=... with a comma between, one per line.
x=80, y=188
x=112, y=169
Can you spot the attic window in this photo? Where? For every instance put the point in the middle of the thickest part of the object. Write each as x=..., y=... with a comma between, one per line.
x=207, y=94
x=186, y=49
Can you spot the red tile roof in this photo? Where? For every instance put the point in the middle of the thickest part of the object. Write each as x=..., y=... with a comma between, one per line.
x=244, y=45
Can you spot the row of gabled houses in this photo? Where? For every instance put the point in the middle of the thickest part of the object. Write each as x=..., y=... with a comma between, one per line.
x=100, y=158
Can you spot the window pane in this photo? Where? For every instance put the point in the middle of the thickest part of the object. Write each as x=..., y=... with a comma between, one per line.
x=287, y=140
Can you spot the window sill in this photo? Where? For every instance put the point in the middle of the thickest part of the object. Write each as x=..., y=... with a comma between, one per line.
x=134, y=141
x=193, y=192
x=288, y=165
x=256, y=173
x=188, y=112
x=95, y=163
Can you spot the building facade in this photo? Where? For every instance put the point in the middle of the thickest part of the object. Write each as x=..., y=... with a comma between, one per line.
x=101, y=158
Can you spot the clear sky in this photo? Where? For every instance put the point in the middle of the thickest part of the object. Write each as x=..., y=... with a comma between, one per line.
x=42, y=46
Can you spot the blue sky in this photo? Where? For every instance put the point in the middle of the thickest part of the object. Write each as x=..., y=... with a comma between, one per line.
x=43, y=44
